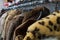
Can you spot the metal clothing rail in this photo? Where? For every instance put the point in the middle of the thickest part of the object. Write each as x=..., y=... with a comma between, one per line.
x=29, y=5
x=24, y=4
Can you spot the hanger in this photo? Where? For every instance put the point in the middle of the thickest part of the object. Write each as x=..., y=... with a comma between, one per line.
x=56, y=7
x=43, y=13
x=40, y=14
x=28, y=4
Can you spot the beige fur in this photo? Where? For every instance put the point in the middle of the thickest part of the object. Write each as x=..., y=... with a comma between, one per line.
x=19, y=37
x=9, y=18
x=43, y=29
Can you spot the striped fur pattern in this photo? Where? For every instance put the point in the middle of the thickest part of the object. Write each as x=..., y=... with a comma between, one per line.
x=9, y=18
x=46, y=27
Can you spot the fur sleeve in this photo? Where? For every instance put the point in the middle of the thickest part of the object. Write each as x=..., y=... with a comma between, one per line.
x=48, y=26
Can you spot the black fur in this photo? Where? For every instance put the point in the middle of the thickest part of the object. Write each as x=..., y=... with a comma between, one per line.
x=28, y=38
x=50, y=23
x=49, y=28
x=42, y=23
x=58, y=20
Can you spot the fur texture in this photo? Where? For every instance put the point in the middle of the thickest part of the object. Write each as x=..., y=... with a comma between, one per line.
x=29, y=19
x=36, y=12
x=46, y=27
x=15, y=22
x=9, y=18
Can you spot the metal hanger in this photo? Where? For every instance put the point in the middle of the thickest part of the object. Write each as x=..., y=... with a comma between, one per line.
x=40, y=14
x=56, y=7
x=28, y=4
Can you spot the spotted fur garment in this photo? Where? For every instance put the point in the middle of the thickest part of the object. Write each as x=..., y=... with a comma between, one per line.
x=46, y=27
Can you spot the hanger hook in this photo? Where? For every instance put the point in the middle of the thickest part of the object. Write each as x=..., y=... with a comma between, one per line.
x=56, y=7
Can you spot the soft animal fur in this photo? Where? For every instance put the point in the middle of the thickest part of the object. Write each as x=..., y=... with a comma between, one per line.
x=9, y=18
x=19, y=37
x=21, y=29
x=33, y=14
x=36, y=11
x=16, y=21
x=46, y=27
x=4, y=23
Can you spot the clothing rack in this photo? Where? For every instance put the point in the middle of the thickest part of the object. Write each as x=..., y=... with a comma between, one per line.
x=28, y=6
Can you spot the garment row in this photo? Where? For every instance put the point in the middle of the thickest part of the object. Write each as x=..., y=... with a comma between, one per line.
x=31, y=25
